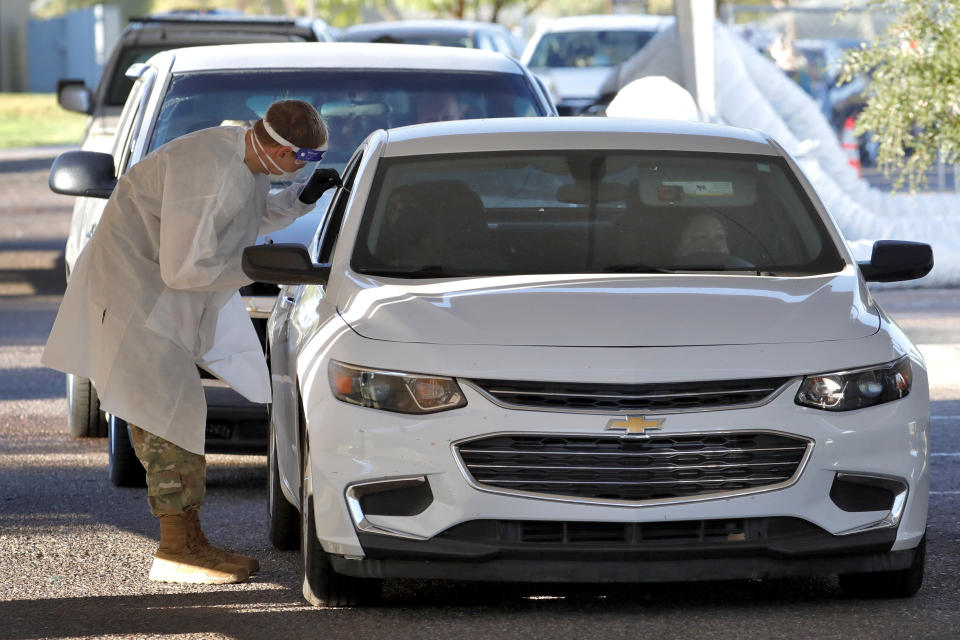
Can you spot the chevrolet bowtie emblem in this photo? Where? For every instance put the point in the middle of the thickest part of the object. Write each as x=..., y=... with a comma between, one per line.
x=637, y=425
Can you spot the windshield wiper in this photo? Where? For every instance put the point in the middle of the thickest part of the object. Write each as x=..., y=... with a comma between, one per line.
x=633, y=268
x=689, y=268
x=701, y=267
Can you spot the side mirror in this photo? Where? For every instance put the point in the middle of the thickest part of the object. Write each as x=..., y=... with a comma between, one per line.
x=897, y=260
x=73, y=95
x=83, y=173
x=283, y=264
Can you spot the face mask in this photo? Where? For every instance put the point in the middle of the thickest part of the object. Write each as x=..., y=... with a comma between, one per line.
x=263, y=157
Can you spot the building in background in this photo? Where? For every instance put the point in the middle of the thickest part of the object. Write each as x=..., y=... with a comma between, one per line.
x=13, y=28
x=74, y=45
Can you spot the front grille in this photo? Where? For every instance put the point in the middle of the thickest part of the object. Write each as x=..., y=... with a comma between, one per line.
x=632, y=535
x=633, y=469
x=647, y=398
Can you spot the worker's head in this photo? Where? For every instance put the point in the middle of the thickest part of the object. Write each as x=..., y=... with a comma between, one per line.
x=290, y=135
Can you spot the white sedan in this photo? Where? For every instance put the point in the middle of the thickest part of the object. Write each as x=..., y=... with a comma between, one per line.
x=590, y=350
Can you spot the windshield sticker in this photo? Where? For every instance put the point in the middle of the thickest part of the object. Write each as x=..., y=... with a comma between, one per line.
x=700, y=189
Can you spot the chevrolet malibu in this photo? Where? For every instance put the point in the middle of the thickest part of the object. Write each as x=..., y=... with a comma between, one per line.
x=590, y=350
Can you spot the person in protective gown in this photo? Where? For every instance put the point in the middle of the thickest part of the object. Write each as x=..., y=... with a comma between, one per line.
x=154, y=294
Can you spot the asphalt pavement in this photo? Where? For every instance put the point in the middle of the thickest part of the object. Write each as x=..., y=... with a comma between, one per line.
x=74, y=550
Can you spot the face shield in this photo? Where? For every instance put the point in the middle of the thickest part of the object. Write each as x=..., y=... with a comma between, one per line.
x=302, y=154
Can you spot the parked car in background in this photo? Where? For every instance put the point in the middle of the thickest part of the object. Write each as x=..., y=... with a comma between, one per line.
x=445, y=33
x=356, y=87
x=815, y=65
x=576, y=55
x=590, y=350
x=147, y=35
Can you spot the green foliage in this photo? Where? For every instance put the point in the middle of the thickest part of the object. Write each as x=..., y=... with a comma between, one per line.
x=913, y=105
x=35, y=119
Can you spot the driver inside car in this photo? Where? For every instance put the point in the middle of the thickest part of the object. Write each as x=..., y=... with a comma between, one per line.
x=702, y=234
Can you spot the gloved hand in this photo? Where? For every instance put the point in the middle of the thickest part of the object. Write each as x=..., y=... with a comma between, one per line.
x=319, y=182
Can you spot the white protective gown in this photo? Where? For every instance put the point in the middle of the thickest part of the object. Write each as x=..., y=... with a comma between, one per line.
x=154, y=292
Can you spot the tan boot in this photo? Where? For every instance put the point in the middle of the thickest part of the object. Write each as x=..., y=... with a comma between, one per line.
x=175, y=561
x=199, y=544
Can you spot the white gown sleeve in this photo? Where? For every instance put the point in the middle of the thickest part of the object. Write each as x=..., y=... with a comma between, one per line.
x=199, y=208
x=283, y=207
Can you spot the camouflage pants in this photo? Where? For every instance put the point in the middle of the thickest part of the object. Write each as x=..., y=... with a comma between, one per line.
x=176, y=478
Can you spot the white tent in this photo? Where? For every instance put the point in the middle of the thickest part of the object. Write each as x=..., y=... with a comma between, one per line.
x=752, y=92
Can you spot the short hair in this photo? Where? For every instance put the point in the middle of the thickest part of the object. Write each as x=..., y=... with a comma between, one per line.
x=297, y=121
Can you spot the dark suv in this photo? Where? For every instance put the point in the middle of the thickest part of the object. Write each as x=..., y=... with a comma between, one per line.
x=145, y=36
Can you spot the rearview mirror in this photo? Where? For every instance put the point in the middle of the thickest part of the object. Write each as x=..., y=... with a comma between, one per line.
x=83, y=173
x=348, y=109
x=897, y=260
x=73, y=95
x=283, y=264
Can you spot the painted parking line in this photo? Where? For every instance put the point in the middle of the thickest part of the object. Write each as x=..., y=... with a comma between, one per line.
x=945, y=417
x=952, y=454
x=944, y=493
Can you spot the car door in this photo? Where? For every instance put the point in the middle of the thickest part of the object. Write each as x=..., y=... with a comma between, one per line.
x=299, y=308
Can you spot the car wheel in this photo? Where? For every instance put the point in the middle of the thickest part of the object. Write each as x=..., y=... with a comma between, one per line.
x=84, y=418
x=284, y=517
x=322, y=586
x=902, y=583
x=125, y=467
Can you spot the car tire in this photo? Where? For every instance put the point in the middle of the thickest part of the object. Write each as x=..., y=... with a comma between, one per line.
x=84, y=418
x=902, y=583
x=125, y=467
x=322, y=586
x=284, y=530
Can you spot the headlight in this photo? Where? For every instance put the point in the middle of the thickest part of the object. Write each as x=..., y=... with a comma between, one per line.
x=393, y=391
x=857, y=389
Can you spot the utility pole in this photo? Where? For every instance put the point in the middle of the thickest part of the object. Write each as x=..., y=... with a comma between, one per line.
x=695, y=30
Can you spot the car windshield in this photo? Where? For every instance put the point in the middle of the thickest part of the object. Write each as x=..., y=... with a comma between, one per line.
x=587, y=48
x=353, y=103
x=589, y=212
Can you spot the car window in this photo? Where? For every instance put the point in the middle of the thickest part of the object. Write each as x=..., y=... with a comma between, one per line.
x=121, y=140
x=588, y=212
x=119, y=85
x=353, y=103
x=332, y=222
x=138, y=100
x=588, y=48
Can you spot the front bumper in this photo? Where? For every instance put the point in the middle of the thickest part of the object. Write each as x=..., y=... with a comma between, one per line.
x=352, y=446
x=563, y=552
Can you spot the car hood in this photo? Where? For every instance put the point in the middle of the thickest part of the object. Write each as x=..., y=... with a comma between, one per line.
x=575, y=82
x=611, y=311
